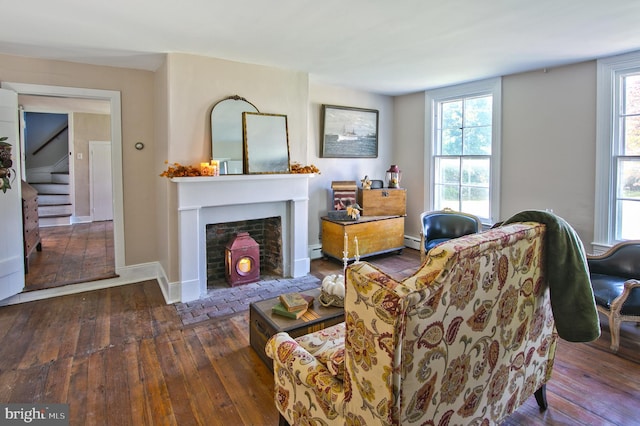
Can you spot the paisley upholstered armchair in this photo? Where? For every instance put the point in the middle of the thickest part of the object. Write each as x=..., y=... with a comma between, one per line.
x=465, y=340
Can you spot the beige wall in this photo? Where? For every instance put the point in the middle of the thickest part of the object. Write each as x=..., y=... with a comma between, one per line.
x=410, y=154
x=196, y=83
x=166, y=215
x=548, y=145
x=139, y=170
x=86, y=128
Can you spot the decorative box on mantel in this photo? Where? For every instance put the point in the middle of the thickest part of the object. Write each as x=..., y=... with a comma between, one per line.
x=383, y=202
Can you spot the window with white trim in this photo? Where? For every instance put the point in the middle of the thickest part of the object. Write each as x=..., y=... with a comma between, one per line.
x=463, y=125
x=618, y=150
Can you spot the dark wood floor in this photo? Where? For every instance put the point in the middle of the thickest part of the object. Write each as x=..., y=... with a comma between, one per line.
x=120, y=356
x=72, y=254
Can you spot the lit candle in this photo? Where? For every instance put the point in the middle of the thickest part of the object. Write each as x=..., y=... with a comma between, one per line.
x=215, y=165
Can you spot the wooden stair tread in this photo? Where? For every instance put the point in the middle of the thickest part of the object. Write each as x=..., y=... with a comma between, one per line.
x=51, y=216
x=48, y=183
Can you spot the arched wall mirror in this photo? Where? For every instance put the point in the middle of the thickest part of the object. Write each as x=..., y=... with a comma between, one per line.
x=226, y=133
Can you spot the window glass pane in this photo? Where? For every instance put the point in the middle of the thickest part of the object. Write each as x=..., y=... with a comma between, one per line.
x=476, y=171
x=631, y=135
x=628, y=224
x=451, y=142
x=446, y=196
x=477, y=141
x=447, y=170
x=477, y=111
x=475, y=200
x=632, y=94
x=629, y=179
x=451, y=114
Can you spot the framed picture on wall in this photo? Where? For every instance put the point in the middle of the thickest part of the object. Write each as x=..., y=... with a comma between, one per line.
x=349, y=132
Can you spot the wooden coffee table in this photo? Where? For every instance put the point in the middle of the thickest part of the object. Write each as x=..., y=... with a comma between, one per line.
x=263, y=324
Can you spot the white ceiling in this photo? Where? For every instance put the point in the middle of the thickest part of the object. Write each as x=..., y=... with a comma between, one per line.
x=383, y=46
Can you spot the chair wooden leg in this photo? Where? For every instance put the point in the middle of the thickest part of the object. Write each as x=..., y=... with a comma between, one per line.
x=541, y=397
x=614, y=328
x=282, y=421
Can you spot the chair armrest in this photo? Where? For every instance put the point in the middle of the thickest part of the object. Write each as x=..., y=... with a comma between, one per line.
x=616, y=304
x=294, y=363
x=284, y=350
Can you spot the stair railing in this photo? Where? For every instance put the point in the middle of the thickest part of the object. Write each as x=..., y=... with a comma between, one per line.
x=51, y=139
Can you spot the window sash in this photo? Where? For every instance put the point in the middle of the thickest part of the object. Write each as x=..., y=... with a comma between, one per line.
x=616, y=117
x=473, y=92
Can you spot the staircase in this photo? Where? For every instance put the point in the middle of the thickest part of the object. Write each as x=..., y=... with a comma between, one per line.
x=54, y=200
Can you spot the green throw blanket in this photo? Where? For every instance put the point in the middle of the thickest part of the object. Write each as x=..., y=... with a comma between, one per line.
x=567, y=273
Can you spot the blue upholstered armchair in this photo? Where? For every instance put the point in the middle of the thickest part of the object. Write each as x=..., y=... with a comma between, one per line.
x=442, y=225
x=615, y=279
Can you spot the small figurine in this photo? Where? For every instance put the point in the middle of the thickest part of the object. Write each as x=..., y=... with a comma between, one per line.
x=366, y=182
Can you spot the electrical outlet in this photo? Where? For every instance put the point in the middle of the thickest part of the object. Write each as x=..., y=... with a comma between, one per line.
x=79, y=156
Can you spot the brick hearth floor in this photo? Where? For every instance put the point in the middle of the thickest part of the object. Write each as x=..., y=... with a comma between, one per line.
x=223, y=301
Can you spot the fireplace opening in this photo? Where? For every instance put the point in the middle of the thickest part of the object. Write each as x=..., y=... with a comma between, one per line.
x=266, y=232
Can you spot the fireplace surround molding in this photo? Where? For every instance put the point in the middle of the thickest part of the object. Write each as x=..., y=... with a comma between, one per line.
x=208, y=200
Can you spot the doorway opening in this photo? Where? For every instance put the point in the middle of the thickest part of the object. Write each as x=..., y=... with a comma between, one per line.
x=82, y=233
x=72, y=174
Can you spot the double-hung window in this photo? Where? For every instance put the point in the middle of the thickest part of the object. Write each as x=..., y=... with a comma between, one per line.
x=618, y=150
x=464, y=148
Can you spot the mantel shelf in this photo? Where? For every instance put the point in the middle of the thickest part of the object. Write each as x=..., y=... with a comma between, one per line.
x=243, y=178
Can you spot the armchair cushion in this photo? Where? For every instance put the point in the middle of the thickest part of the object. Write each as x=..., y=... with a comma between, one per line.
x=428, y=245
x=606, y=288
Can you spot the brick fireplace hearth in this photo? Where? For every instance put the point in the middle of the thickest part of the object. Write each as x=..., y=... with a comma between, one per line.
x=266, y=232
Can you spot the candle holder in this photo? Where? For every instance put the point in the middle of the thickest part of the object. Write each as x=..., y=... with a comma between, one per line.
x=345, y=253
x=206, y=169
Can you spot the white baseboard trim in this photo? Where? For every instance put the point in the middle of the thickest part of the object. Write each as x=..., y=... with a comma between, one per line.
x=81, y=219
x=412, y=242
x=315, y=251
x=127, y=275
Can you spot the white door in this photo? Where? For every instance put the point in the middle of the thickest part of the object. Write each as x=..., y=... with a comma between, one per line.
x=11, y=239
x=100, y=183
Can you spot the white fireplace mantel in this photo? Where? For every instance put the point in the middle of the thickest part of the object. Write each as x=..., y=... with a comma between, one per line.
x=229, y=198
